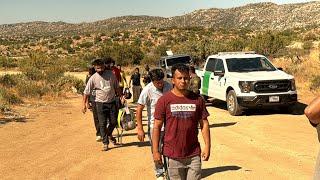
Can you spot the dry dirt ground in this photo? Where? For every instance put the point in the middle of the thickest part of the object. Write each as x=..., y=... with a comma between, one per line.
x=57, y=141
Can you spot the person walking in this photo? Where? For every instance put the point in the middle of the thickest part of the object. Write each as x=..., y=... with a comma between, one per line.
x=312, y=112
x=92, y=104
x=106, y=86
x=149, y=97
x=136, y=85
x=195, y=81
x=146, y=78
x=181, y=111
x=123, y=81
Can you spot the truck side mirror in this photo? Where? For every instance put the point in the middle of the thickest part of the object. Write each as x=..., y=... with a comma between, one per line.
x=219, y=73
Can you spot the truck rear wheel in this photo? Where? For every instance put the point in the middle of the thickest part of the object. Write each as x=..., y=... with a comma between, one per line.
x=232, y=104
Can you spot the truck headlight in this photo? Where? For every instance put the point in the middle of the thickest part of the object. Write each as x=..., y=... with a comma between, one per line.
x=293, y=85
x=245, y=86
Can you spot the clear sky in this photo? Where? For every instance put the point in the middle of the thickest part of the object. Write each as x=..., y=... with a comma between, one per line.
x=75, y=11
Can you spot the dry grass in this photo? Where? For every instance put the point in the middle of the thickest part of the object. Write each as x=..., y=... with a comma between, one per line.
x=304, y=71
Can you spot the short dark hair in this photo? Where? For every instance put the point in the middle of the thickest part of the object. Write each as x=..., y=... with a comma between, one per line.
x=156, y=74
x=192, y=69
x=180, y=67
x=91, y=70
x=108, y=60
x=97, y=62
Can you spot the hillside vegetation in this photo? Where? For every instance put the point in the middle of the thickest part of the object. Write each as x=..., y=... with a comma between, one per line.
x=44, y=51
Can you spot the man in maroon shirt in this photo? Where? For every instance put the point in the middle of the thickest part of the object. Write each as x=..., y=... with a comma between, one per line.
x=181, y=111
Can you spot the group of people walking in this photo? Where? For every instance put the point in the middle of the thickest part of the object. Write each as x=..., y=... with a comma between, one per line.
x=175, y=111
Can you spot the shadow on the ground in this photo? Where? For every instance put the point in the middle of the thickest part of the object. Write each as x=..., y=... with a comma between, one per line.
x=138, y=144
x=128, y=134
x=207, y=172
x=296, y=109
x=222, y=124
x=4, y=121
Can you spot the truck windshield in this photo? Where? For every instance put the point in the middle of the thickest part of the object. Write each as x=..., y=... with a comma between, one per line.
x=176, y=60
x=249, y=64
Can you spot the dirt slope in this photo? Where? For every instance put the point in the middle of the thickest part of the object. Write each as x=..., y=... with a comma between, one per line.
x=57, y=142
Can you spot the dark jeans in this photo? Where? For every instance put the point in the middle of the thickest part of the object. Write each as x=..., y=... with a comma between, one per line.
x=95, y=117
x=136, y=90
x=107, y=119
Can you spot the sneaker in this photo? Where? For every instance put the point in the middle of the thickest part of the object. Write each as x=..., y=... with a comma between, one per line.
x=105, y=147
x=98, y=138
x=113, y=140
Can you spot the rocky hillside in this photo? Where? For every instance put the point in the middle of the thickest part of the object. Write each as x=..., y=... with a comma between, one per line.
x=258, y=16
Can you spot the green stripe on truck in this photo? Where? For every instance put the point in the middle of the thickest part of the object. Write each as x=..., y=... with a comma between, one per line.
x=205, y=85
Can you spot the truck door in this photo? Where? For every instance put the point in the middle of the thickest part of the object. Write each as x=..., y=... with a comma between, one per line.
x=218, y=81
x=207, y=77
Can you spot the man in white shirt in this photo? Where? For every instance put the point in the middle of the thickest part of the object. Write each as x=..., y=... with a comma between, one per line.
x=149, y=97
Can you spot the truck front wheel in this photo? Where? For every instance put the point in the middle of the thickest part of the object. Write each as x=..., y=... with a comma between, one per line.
x=232, y=104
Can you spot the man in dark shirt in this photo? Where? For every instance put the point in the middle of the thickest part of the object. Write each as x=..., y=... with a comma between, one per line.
x=181, y=111
x=195, y=81
x=136, y=85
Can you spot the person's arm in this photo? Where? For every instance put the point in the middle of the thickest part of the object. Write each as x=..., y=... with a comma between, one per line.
x=86, y=94
x=313, y=111
x=85, y=103
x=130, y=82
x=159, y=117
x=205, y=130
x=155, y=141
x=140, y=130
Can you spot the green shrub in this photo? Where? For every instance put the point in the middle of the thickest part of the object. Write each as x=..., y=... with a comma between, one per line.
x=32, y=73
x=315, y=83
x=66, y=83
x=9, y=97
x=32, y=89
x=9, y=80
x=4, y=107
x=307, y=45
x=8, y=62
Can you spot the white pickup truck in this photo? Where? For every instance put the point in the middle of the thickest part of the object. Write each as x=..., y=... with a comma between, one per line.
x=246, y=80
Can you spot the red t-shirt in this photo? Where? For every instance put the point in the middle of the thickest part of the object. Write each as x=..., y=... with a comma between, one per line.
x=116, y=72
x=181, y=116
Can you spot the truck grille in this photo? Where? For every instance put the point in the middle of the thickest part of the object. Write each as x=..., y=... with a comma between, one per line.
x=272, y=86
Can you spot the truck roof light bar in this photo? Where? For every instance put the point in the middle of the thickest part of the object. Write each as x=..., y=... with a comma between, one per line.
x=240, y=52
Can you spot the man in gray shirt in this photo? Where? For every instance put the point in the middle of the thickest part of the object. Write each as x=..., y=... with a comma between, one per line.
x=106, y=86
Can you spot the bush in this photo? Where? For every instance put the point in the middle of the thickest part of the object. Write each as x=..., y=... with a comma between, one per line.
x=315, y=83
x=32, y=89
x=4, y=108
x=307, y=45
x=7, y=62
x=67, y=83
x=9, y=80
x=9, y=97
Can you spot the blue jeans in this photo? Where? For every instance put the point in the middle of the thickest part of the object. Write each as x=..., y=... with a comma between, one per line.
x=107, y=119
x=158, y=169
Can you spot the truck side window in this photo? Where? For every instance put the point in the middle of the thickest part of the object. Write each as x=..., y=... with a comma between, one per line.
x=210, y=65
x=219, y=66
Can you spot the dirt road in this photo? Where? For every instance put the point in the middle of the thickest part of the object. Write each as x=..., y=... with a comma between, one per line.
x=56, y=141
